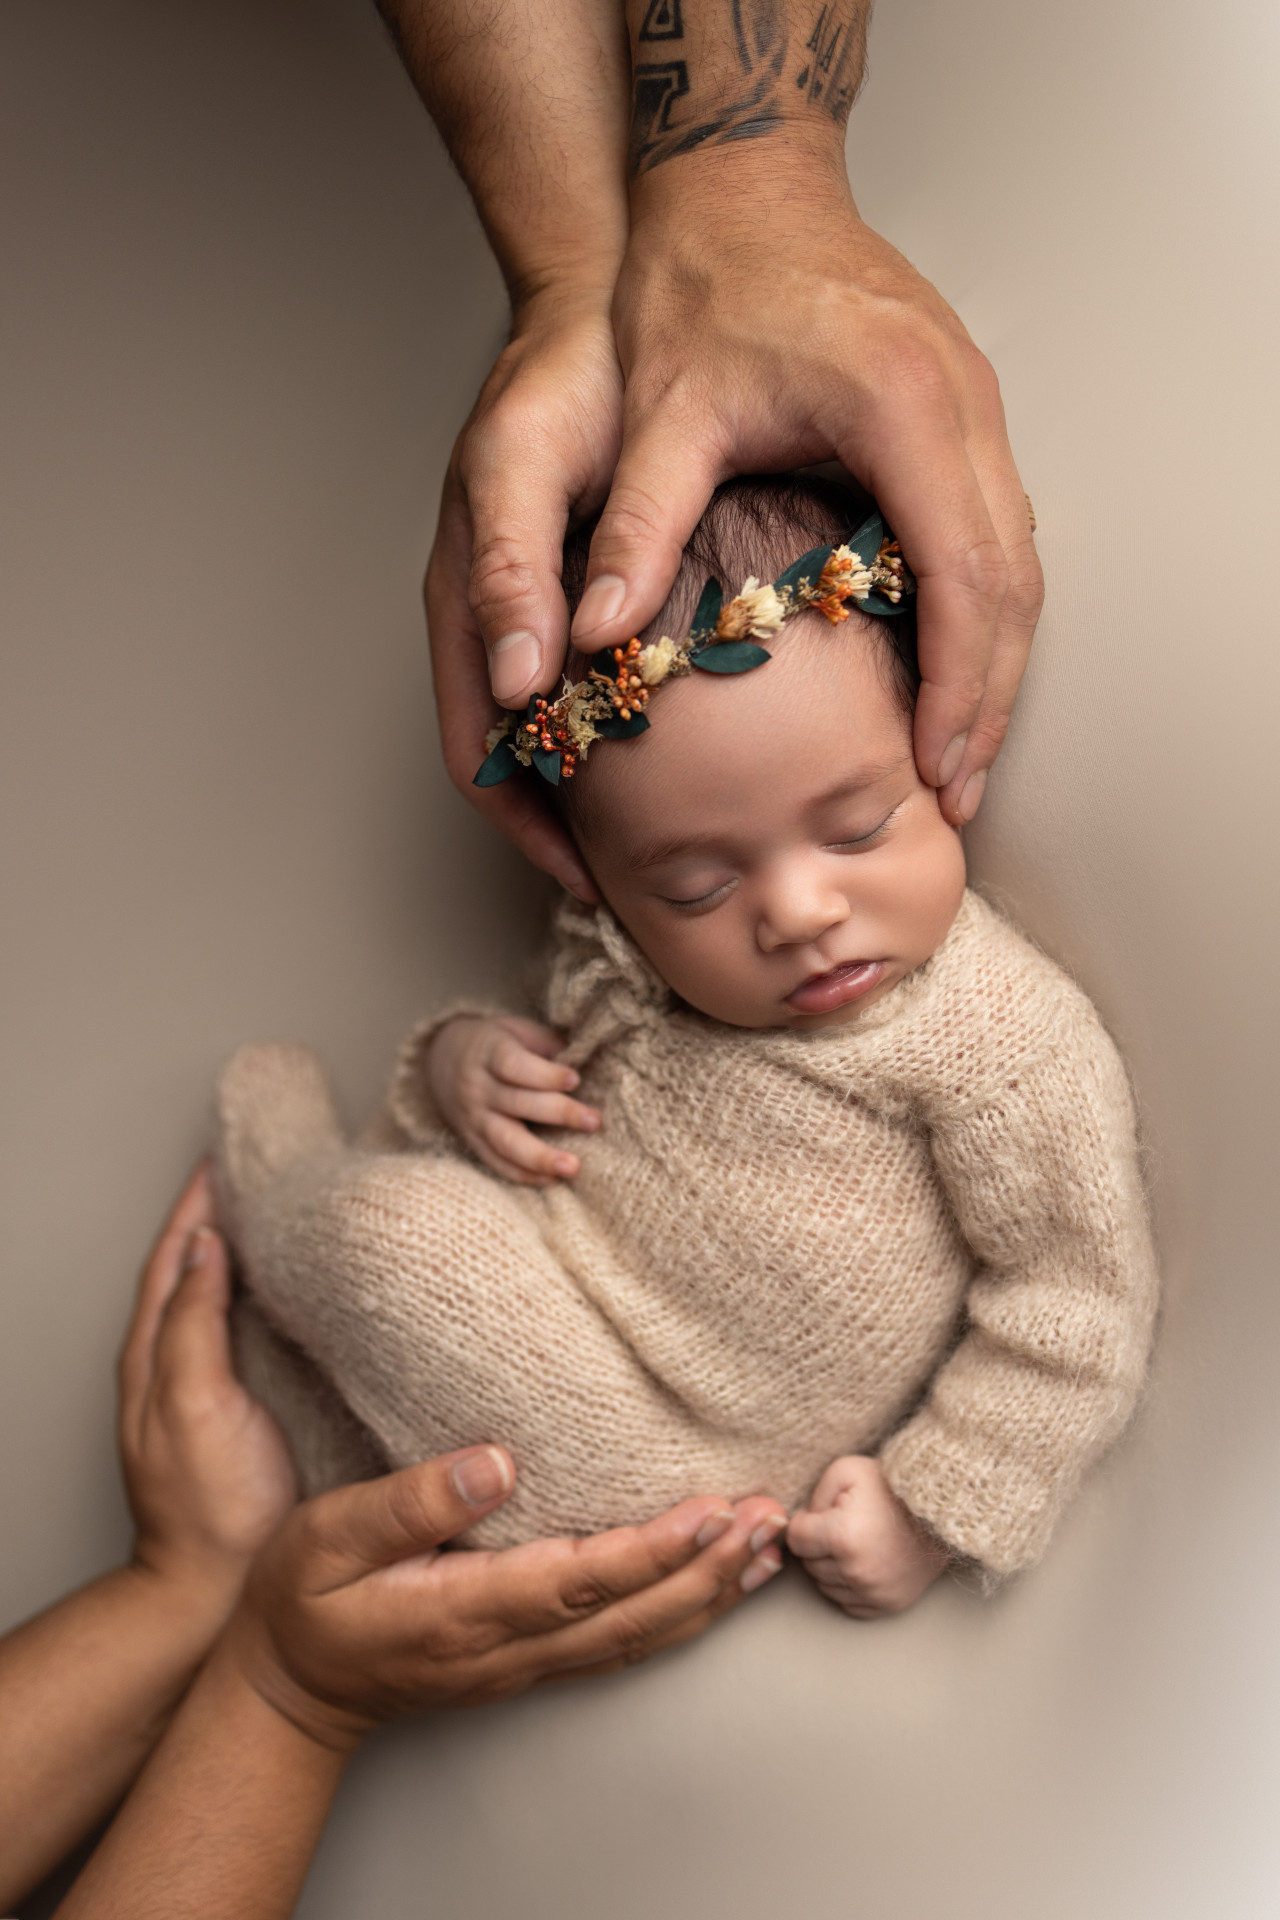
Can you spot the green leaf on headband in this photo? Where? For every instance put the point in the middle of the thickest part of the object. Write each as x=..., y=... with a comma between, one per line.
x=500, y=765
x=620, y=729
x=876, y=604
x=731, y=656
x=708, y=608
x=867, y=540
x=807, y=567
x=547, y=761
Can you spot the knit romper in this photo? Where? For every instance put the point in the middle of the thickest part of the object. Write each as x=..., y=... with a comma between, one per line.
x=920, y=1235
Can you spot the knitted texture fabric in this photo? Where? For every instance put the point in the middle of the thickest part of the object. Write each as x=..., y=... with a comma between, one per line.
x=922, y=1234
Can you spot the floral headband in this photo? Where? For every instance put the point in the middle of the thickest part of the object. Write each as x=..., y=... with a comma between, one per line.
x=553, y=735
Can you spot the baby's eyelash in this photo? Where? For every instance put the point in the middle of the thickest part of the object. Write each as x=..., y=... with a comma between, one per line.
x=865, y=839
x=700, y=900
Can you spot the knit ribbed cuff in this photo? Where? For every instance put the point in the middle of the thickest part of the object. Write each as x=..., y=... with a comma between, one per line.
x=410, y=1101
x=985, y=1507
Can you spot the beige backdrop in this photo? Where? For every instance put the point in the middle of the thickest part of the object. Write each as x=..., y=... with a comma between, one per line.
x=245, y=305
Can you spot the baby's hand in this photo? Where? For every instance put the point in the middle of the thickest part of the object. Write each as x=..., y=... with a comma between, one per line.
x=864, y=1549
x=490, y=1078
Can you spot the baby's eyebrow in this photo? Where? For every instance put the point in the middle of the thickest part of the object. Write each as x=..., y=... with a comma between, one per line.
x=655, y=853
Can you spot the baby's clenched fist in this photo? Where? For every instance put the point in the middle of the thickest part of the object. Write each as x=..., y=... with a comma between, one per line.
x=863, y=1548
x=491, y=1079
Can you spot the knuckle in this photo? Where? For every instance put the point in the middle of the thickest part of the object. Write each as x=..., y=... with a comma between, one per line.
x=982, y=571
x=986, y=737
x=1024, y=593
x=501, y=575
x=633, y=518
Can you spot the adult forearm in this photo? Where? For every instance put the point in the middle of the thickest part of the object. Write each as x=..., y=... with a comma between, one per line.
x=532, y=99
x=720, y=73
x=86, y=1691
x=224, y=1820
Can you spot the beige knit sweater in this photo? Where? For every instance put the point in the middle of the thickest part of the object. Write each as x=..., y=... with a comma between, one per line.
x=922, y=1234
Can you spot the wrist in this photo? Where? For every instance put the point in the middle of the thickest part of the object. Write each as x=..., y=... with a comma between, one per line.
x=247, y=1658
x=195, y=1597
x=550, y=299
x=798, y=165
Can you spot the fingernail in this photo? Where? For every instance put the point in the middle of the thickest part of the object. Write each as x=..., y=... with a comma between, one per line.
x=601, y=602
x=591, y=1120
x=767, y=1530
x=566, y=1163
x=971, y=796
x=513, y=665
x=762, y=1568
x=713, y=1528
x=199, y=1247
x=481, y=1477
x=952, y=755
x=571, y=1079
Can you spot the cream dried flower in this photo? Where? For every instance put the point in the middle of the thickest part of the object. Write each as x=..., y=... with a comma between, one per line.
x=757, y=612
x=656, y=661
x=846, y=574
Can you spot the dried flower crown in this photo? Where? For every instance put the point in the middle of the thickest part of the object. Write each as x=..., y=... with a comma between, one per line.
x=553, y=735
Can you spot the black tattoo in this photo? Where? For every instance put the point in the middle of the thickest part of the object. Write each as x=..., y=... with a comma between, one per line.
x=662, y=22
x=668, y=119
x=832, y=77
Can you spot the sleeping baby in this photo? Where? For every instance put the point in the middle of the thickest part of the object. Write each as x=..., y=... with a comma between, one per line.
x=818, y=1181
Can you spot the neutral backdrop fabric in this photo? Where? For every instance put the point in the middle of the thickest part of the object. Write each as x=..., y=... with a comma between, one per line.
x=244, y=307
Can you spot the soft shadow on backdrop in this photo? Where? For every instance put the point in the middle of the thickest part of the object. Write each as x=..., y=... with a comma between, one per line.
x=245, y=306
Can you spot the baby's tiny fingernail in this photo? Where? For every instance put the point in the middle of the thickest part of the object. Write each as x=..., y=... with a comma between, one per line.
x=591, y=1120
x=481, y=1477
x=713, y=1528
x=571, y=1079
x=199, y=1247
x=767, y=1530
x=762, y=1568
x=566, y=1163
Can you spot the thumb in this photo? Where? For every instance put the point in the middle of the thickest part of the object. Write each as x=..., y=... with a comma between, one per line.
x=356, y=1530
x=193, y=1345
x=660, y=491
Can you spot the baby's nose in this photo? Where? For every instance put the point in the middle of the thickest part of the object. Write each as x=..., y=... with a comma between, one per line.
x=797, y=911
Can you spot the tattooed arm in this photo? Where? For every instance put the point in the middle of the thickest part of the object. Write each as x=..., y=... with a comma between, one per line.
x=533, y=100
x=761, y=324
x=705, y=74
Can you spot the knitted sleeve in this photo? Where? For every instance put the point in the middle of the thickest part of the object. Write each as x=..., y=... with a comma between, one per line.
x=1043, y=1176
x=411, y=1111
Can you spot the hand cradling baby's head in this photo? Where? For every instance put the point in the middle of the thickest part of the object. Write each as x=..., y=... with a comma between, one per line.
x=769, y=843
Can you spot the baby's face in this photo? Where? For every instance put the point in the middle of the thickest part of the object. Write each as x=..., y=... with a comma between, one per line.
x=769, y=843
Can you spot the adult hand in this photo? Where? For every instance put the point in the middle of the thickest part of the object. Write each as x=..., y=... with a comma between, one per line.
x=353, y=1616
x=539, y=446
x=206, y=1469
x=762, y=324
x=87, y=1687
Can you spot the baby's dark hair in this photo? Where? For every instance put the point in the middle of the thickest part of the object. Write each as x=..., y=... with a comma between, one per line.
x=758, y=525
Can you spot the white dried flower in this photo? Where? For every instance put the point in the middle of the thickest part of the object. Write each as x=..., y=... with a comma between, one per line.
x=757, y=612
x=656, y=661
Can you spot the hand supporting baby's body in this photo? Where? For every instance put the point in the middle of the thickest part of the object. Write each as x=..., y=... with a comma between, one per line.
x=493, y=1080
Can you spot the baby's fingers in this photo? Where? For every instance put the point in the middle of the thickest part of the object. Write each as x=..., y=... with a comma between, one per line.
x=517, y=1065
x=545, y=1109
x=510, y=1148
x=812, y=1536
